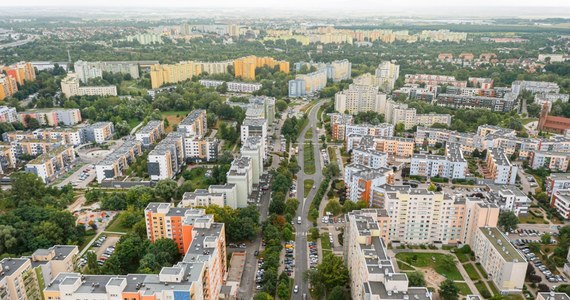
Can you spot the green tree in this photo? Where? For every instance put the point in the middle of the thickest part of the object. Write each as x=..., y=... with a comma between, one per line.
x=334, y=207
x=400, y=128
x=508, y=221
x=92, y=265
x=330, y=273
x=281, y=105
x=448, y=290
x=331, y=170
x=262, y=296
x=545, y=238
x=338, y=293
x=283, y=290
x=8, y=238
x=416, y=279
x=166, y=189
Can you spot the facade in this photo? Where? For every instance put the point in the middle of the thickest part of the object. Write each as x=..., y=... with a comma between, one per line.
x=200, y=149
x=54, y=260
x=118, y=161
x=244, y=67
x=195, y=123
x=557, y=161
x=22, y=72
x=434, y=80
x=371, y=271
x=387, y=73
x=256, y=128
x=359, y=98
x=70, y=87
x=241, y=175
x=52, y=117
x=500, y=259
x=369, y=158
x=161, y=74
x=72, y=136
x=308, y=84
x=338, y=125
x=167, y=158
x=8, y=114
x=452, y=165
x=535, y=87
x=7, y=158
x=151, y=133
x=89, y=70
x=360, y=180
x=509, y=198
x=431, y=119
x=401, y=147
x=146, y=38
x=8, y=86
x=98, y=132
x=253, y=148
x=557, y=185
x=18, y=279
x=500, y=169
x=500, y=104
x=50, y=165
x=233, y=86
x=561, y=201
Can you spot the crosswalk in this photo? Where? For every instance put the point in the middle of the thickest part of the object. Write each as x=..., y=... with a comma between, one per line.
x=301, y=233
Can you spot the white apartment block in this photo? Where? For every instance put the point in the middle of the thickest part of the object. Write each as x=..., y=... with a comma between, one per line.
x=98, y=132
x=430, y=119
x=150, y=133
x=509, y=198
x=556, y=161
x=202, y=198
x=254, y=128
x=115, y=163
x=557, y=182
x=253, y=148
x=371, y=270
x=401, y=147
x=387, y=73
x=195, y=123
x=359, y=98
x=167, y=158
x=360, y=180
x=229, y=191
x=500, y=259
x=561, y=201
x=241, y=175
x=397, y=113
x=70, y=87
x=233, y=86
x=88, y=70
x=384, y=129
x=500, y=169
x=534, y=87
x=8, y=114
x=18, y=279
x=452, y=165
x=369, y=158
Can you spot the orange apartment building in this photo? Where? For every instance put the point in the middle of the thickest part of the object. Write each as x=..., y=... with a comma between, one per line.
x=16, y=74
x=200, y=274
x=245, y=67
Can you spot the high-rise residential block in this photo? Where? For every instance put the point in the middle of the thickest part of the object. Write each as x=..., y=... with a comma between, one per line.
x=359, y=98
x=70, y=87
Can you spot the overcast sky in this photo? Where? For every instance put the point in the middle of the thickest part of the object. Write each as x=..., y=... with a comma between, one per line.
x=334, y=4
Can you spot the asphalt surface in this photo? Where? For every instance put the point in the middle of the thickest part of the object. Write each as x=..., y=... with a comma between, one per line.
x=301, y=248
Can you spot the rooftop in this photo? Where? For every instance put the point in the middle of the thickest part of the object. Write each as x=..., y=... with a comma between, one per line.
x=502, y=244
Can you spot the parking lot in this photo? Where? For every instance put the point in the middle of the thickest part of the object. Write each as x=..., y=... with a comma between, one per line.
x=103, y=247
x=80, y=178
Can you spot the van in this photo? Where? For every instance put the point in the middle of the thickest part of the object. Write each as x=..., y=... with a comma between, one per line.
x=299, y=220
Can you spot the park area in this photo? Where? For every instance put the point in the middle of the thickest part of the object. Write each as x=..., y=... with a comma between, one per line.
x=309, y=158
x=442, y=264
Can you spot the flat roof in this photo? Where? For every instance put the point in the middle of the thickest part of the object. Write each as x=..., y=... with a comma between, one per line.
x=500, y=242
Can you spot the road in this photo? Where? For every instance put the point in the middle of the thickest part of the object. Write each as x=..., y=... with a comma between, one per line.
x=301, y=258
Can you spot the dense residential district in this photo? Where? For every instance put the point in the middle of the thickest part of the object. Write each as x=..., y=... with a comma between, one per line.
x=184, y=158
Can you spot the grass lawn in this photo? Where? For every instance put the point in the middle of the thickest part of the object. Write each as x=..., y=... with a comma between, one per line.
x=463, y=288
x=470, y=269
x=528, y=120
x=481, y=287
x=173, y=117
x=481, y=270
x=332, y=154
x=197, y=177
x=462, y=256
x=531, y=219
x=309, y=158
x=493, y=288
x=325, y=242
x=404, y=266
x=115, y=225
x=309, y=134
x=308, y=184
x=431, y=260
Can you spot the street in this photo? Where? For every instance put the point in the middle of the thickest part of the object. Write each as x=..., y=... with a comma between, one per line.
x=301, y=258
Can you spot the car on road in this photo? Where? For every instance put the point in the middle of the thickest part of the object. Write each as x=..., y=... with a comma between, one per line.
x=296, y=289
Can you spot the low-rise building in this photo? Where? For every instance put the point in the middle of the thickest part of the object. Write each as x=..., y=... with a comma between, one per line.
x=561, y=202
x=500, y=259
x=70, y=87
x=552, y=296
x=50, y=165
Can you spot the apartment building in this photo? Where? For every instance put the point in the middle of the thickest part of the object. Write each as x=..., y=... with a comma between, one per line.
x=337, y=70
x=150, y=133
x=253, y=148
x=561, y=201
x=371, y=271
x=380, y=130
x=167, y=158
x=509, y=198
x=50, y=165
x=307, y=84
x=387, y=73
x=550, y=160
x=360, y=180
x=359, y=98
x=241, y=175
x=478, y=213
x=199, y=275
x=556, y=182
x=70, y=87
x=431, y=119
x=161, y=74
x=52, y=117
x=202, y=198
x=434, y=80
x=338, y=125
x=21, y=72
x=8, y=114
x=18, y=279
x=7, y=158
x=33, y=147
x=401, y=147
x=72, y=136
x=195, y=123
x=268, y=105
x=499, y=168
x=500, y=104
x=201, y=149
x=534, y=87
x=232, y=86
x=98, y=132
x=8, y=86
x=369, y=158
x=54, y=260
x=452, y=165
x=552, y=296
x=118, y=161
x=89, y=70
x=396, y=113
x=146, y=38
x=245, y=67
x=256, y=128
x=500, y=259
x=417, y=92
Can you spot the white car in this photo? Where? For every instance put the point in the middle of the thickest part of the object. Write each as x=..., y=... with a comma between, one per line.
x=296, y=289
